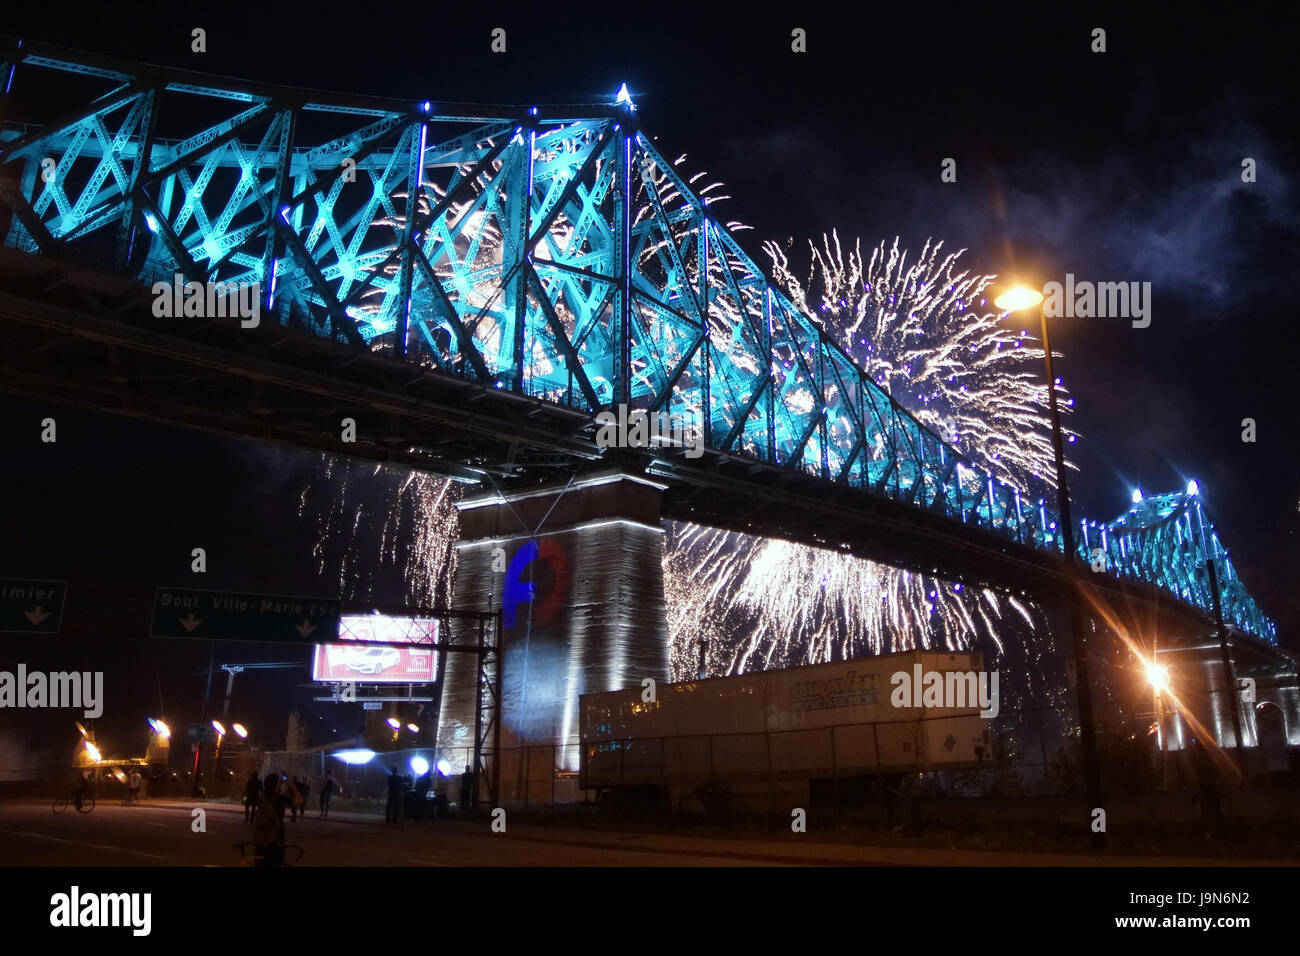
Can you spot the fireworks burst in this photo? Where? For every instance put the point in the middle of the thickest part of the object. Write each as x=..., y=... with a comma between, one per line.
x=921, y=331
x=391, y=520
x=735, y=602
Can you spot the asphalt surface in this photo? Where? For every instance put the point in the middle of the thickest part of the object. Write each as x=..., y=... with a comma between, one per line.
x=161, y=834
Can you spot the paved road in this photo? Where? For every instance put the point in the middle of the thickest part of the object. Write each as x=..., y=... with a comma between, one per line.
x=161, y=835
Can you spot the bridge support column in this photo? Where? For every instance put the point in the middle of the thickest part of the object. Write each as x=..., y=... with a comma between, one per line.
x=577, y=571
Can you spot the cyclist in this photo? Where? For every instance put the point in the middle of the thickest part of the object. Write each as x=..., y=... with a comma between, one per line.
x=83, y=785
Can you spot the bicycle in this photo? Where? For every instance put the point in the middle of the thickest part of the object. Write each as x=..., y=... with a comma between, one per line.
x=83, y=804
x=253, y=859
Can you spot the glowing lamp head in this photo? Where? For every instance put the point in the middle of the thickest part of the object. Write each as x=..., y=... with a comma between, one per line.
x=1158, y=677
x=419, y=766
x=444, y=768
x=394, y=723
x=93, y=751
x=1193, y=487
x=355, y=757
x=1137, y=496
x=413, y=728
x=219, y=728
x=624, y=98
x=1018, y=298
x=240, y=729
x=160, y=728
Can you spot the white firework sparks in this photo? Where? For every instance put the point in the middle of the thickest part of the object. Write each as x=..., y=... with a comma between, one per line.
x=391, y=519
x=925, y=335
x=739, y=603
x=735, y=602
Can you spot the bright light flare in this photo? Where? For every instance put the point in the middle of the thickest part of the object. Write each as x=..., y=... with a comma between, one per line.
x=239, y=729
x=1018, y=298
x=1158, y=677
x=355, y=757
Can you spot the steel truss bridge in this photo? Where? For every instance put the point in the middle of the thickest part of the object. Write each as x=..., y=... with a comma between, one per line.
x=472, y=284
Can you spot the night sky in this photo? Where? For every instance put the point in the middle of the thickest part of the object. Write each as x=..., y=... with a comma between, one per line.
x=1122, y=166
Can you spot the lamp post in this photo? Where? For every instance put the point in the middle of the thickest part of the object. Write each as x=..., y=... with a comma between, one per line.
x=1017, y=300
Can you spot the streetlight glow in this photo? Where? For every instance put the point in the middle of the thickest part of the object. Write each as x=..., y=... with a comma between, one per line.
x=1158, y=677
x=239, y=729
x=1018, y=298
x=216, y=725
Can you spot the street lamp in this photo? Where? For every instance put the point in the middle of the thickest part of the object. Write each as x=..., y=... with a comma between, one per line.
x=1018, y=299
x=1158, y=677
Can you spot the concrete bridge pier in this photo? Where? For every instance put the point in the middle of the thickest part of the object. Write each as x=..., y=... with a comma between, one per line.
x=577, y=571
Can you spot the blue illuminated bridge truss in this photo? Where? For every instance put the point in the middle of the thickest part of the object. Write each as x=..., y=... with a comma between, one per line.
x=552, y=253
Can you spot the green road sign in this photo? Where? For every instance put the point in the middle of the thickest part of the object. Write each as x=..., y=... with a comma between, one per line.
x=241, y=616
x=31, y=607
x=201, y=733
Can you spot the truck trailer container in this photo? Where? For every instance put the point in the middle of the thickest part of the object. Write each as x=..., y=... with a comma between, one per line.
x=780, y=737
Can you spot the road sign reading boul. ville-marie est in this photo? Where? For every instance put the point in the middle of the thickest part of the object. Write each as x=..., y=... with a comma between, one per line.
x=243, y=616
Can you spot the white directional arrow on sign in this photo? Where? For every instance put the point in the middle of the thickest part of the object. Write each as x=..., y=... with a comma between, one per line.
x=190, y=623
x=36, y=616
x=305, y=628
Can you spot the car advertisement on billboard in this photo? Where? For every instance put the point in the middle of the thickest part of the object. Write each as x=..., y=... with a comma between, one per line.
x=408, y=658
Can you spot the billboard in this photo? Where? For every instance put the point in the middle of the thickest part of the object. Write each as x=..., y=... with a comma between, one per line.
x=408, y=656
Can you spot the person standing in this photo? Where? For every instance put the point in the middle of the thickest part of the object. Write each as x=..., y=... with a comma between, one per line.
x=133, y=782
x=394, y=797
x=296, y=801
x=327, y=791
x=252, y=795
x=467, y=790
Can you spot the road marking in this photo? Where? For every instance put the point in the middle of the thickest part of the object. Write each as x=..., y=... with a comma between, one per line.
x=39, y=836
x=93, y=846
